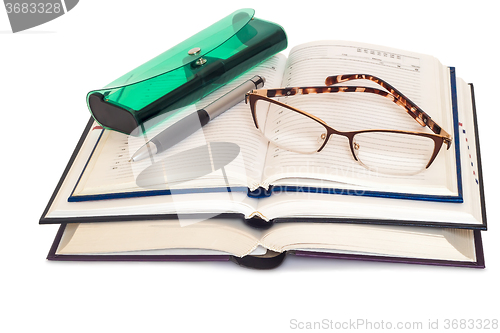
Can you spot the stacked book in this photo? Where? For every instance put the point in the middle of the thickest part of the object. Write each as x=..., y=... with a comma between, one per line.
x=232, y=192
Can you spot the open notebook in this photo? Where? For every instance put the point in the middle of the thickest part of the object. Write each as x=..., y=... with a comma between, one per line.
x=231, y=239
x=260, y=167
x=99, y=169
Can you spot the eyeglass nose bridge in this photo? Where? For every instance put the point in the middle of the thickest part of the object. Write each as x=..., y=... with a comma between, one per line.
x=330, y=131
x=325, y=136
x=354, y=148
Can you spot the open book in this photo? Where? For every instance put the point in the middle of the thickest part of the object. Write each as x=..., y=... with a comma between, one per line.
x=302, y=186
x=215, y=238
x=258, y=164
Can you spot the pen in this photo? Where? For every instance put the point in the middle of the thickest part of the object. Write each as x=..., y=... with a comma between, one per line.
x=193, y=122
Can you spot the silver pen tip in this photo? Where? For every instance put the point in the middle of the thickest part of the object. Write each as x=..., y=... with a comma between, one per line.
x=147, y=150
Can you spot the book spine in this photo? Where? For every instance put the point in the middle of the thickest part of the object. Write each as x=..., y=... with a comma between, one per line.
x=260, y=192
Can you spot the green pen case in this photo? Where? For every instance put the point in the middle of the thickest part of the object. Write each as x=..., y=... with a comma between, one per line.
x=185, y=73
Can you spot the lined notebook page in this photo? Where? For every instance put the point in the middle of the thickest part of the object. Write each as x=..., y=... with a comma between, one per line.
x=109, y=169
x=414, y=75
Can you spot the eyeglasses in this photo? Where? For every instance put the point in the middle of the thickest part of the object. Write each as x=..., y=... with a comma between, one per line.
x=381, y=150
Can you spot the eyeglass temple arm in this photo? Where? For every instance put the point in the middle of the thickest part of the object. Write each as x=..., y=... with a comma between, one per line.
x=394, y=95
x=319, y=90
x=412, y=109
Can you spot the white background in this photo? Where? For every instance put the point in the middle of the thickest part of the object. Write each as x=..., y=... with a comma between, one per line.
x=45, y=74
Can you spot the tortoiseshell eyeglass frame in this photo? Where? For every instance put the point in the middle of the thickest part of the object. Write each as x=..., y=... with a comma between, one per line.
x=439, y=135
